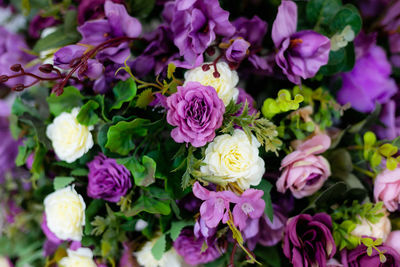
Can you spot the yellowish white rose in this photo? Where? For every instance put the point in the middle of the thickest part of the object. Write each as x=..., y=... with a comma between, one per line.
x=65, y=213
x=225, y=84
x=169, y=259
x=380, y=229
x=82, y=257
x=4, y=262
x=70, y=139
x=235, y=159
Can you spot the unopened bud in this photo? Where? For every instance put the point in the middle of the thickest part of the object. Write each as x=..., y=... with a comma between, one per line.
x=205, y=67
x=16, y=67
x=210, y=51
x=216, y=74
x=3, y=78
x=46, y=68
x=18, y=87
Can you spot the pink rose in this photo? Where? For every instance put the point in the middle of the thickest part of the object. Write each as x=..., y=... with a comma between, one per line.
x=393, y=240
x=305, y=172
x=387, y=188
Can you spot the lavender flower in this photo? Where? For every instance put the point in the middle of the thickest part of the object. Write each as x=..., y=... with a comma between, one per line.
x=40, y=23
x=92, y=9
x=250, y=205
x=301, y=54
x=107, y=179
x=358, y=257
x=308, y=240
x=197, y=112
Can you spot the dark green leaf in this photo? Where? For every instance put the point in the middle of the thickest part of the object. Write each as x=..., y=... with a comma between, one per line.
x=322, y=11
x=149, y=205
x=141, y=8
x=91, y=211
x=124, y=92
x=70, y=99
x=61, y=182
x=266, y=187
x=143, y=174
x=348, y=15
x=176, y=228
x=87, y=115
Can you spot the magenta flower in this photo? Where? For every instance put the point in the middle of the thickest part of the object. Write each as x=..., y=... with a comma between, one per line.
x=197, y=111
x=358, y=257
x=250, y=205
x=301, y=54
x=215, y=206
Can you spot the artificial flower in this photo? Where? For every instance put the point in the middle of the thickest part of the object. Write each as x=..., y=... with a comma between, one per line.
x=387, y=188
x=82, y=257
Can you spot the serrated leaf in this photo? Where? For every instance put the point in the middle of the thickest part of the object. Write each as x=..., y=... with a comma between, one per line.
x=159, y=247
x=176, y=228
x=68, y=100
x=144, y=98
x=90, y=212
x=87, y=115
x=62, y=181
x=124, y=92
x=143, y=174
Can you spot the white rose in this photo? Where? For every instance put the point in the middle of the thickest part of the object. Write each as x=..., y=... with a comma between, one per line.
x=380, y=229
x=65, y=213
x=69, y=138
x=225, y=85
x=4, y=262
x=82, y=257
x=235, y=159
x=169, y=259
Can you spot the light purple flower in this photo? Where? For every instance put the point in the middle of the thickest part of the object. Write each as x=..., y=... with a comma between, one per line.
x=191, y=248
x=195, y=24
x=215, y=206
x=202, y=230
x=92, y=9
x=391, y=120
x=301, y=54
x=369, y=82
x=238, y=50
x=263, y=231
x=197, y=111
x=107, y=179
x=250, y=205
x=51, y=237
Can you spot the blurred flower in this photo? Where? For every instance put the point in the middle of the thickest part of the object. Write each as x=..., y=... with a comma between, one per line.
x=235, y=159
x=381, y=229
x=92, y=9
x=387, y=188
x=107, y=179
x=393, y=240
x=391, y=119
x=369, y=82
x=225, y=83
x=197, y=112
x=65, y=213
x=301, y=54
x=5, y=262
x=145, y=257
x=70, y=139
x=238, y=50
x=304, y=172
x=39, y=23
x=308, y=240
x=82, y=257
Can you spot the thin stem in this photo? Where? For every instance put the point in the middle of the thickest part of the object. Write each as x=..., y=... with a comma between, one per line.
x=232, y=263
x=368, y=173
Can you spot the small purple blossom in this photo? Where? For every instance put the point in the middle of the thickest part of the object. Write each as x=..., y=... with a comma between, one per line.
x=238, y=50
x=202, y=230
x=197, y=111
x=108, y=179
x=215, y=206
x=301, y=54
x=250, y=205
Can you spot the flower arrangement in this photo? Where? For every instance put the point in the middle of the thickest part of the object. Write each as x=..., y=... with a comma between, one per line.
x=209, y=133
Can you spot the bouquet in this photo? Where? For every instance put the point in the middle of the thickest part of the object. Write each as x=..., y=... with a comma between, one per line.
x=199, y=133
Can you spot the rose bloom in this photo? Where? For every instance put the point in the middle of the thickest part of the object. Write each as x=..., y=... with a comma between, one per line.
x=387, y=188
x=169, y=259
x=70, y=139
x=108, y=179
x=235, y=159
x=225, y=84
x=197, y=112
x=393, y=240
x=381, y=229
x=308, y=240
x=358, y=257
x=82, y=257
x=65, y=213
x=304, y=172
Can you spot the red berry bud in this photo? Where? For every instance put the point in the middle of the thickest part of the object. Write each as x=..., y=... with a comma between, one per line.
x=3, y=78
x=46, y=68
x=18, y=87
x=16, y=67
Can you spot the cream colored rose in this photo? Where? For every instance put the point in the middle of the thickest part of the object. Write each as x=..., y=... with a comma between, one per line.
x=235, y=159
x=169, y=259
x=82, y=257
x=4, y=262
x=225, y=85
x=380, y=229
x=69, y=138
x=65, y=213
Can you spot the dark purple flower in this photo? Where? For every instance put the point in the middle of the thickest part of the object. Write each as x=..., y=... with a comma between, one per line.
x=92, y=9
x=202, y=230
x=369, y=82
x=263, y=231
x=38, y=23
x=197, y=112
x=301, y=54
x=190, y=248
x=250, y=205
x=244, y=97
x=308, y=240
x=127, y=259
x=358, y=257
x=195, y=24
x=372, y=8
x=108, y=179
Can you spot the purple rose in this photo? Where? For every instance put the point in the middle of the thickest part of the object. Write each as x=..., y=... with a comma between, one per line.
x=369, y=82
x=197, y=111
x=191, y=248
x=308, y=240
x=195, y=24
x=358, y=257
x=300, y=54
x=108, y=179
x=39, y=23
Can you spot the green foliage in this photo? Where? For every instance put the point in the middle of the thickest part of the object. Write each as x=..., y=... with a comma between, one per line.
x=141, y=8
x=70, y=99
x=176, y=228
x=150, y=205
x=124, y=92
x=158, y=248
x=143, y=173
x=87, y=115
x=266, y=187
x=144, y=98
x=61, y=182
x=282, y=103
x=372, y=244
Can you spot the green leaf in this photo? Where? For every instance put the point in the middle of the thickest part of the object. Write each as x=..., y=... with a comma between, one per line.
x=341, y=60
x=266, y=187
x=348, y=15
x=391, y=163
x=61, y=182
x=141, y=8
x=26, y=7
x=120, y=136
x=39, y=128
x=70, y=99
x=388, y=150
x=80, y=172
x=144, y=175
x=144, y=98
x=159, y=248
x=94, y=207
x=124, y=92
x=87, y=115
x=57, y=39
x=171, y=70
x=322, y=11
x=149, y=205
x=376, y=159
x=369, y=138
x=176, y=228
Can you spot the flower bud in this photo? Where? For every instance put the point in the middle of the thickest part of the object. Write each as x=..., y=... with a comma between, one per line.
x=46, y=68
x=18, y=87
x=3, y=78
x=16, y=67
